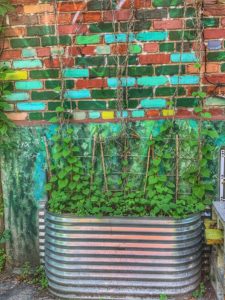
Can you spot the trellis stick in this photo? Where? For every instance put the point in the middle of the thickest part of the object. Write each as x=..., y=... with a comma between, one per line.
x=177, y=167
x=93, y=160
x=103, y=164
x=148, y=164
x=49, y=173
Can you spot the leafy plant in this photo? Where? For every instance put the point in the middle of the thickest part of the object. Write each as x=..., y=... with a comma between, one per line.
x=200, y=292
x=39, y=277
x=3, y=258
x=163, y=297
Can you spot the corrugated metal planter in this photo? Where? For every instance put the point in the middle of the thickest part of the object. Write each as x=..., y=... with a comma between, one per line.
x=122, y=258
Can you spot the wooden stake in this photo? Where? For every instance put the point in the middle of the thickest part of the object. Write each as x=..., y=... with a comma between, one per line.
x=49, y=173
x=93, y=159
x=103, y=165
x=177, y=167
x=147, y=166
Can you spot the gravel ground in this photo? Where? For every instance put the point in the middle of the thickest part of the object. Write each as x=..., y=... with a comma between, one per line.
x=11, y=288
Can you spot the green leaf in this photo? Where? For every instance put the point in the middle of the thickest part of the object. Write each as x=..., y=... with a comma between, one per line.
x=63, y=183
x=54, y=120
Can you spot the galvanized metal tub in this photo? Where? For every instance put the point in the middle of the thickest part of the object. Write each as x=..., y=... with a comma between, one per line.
x=41, y=231
x=122, y=258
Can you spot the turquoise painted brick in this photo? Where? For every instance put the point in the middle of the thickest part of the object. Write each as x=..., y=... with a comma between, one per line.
x=103, y=49
x=57, y=50
x=153, y=103
x=138, y=113
x=186, y=79
x=77, y=94
x=184, y=57
x=152, y=80
x=122, y=114
x=29, y=85
x=119, y=38
x=17, y=97
x=152, y=36
x=27, y=64
x=94, y=114
x=75, y=73
x=31, y=106
x=114, y=82
x=29, y=52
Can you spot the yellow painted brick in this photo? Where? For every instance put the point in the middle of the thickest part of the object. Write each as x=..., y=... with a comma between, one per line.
x=168, y=112
x=39, y=8
x=14, y=75
x=108, y=115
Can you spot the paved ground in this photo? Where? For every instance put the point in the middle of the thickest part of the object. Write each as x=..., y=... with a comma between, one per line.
x=11, y=288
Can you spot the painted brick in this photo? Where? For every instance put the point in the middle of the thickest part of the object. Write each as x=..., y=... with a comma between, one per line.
x=152, y=113
x=29, y=52
x=103, y=49
x=170, y=70
x=114, y=82
x=122, y=114
x=119, y=49
x=25, y=42
x=79, y=115
x=42, y=52
x=168, y=24
x=113, y=60
x=119, y=38
x=166, y=47
x=71, y=6
x=216, y=56
x=140, y=93
x=153, y=103
x=40, y=30
x=103, y=72
x=184, y=57
x=11, y=54
x=42, y=74
x=45, y=95
x=152, y=36
x=91, y=83
x=137, y=26
x=103, y=94
x=93, y=104
x=72, y=29
x=188, y=35
x=151, y=47
x=168, y=112
x=143, y=14
x=152, y=81
x=39, y=8
x=90, y=61
x=140, y=71
x=75, y=73
x=214, y=45
x=154, y=59
x=138, y=113
x=36, y=116
x=53, y=40
x=27, y=64
x=108, y=115
x=186, y=79
x=169, y=91
x=186, y=102
x=31, y=106
x=77, y=94
x=17, y=97
x=102, y=27
x=91, y=17
x=167, y=3
x=215, y=33
x=94, y=115
x=133, y=49
x=14, y=75
x=85, y=39
x=17, y=116
x=28, y=85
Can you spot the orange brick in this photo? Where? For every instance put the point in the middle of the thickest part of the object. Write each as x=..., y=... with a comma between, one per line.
x=39, y=8
x=17, y=116
x=92, y=17
x=210, y=68
x=47, y=19
x=119, y=49
x=15, y=32
x=65, y=18
x=69, y=7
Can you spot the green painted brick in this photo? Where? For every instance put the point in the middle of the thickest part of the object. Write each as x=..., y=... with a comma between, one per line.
x=35, y=116
x=186, y=35
x=42, y=74
x=166, y=47
x=135, y=48
x=140, y=71
x=217, y=56
x=169, y=91
x=46, y=95
x=53, y=40
x=126, y=104
x=167, y=3
x=103, y=49
x=103, y=72
x=51, y=84
x=92, y=105
x=40, y=30
x=88, y=39
x=140, y=92
x=95, y=5
x=179, y=12
x=49, y=115
x=210, y=22
x=137, y=26
x=191, y=23
x=132, y=60
x=169, y=70
x=90, y=61
x=104, y=94
x=66, y=104
x=102, y=27
x=25, y=42
x=186, y=102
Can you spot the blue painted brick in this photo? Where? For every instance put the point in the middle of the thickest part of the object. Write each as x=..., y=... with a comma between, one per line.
x=152, y=80
x=94, y=114
x=75, y=73
x=17, y=97
x=77, y=94
x=31, y=106
x=138, y=113
x=153, y=103
x=184, y=57
x=114, y=82
x=27, y=64
x=122, y=114
x=152, y=36
x=214, y=45
x=186, y=79
x=119, y=38
x=29, y=52
x=29, y=85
